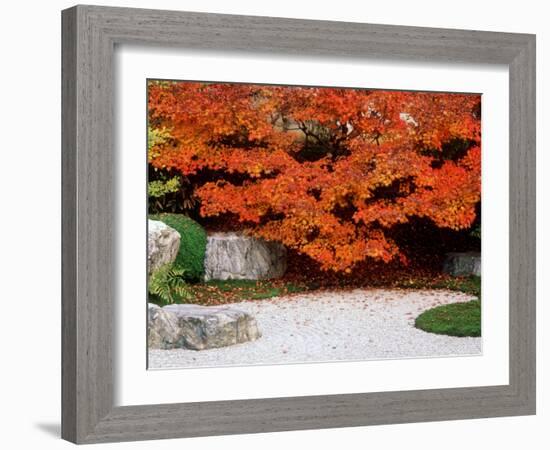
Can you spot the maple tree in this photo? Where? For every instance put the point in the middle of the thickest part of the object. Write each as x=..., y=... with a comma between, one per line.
x=325, y=171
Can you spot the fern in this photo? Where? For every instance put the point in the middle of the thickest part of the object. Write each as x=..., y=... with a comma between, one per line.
x=168, y=284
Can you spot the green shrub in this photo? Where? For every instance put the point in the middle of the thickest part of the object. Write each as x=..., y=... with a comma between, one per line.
x=190, y=257
x=159, y=188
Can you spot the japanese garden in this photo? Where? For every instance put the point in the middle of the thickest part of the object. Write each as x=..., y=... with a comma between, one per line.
x=291, y=224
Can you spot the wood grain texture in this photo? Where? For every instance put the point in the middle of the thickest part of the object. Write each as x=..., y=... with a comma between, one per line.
x=68, y=226
x=89, y=37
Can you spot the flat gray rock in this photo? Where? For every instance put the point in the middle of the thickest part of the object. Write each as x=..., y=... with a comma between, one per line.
x=163, y=329
x=204, y=327
x=461, y=264
x=233, y=256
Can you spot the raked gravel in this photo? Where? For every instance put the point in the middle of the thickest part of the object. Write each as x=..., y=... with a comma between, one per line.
x=333, y=326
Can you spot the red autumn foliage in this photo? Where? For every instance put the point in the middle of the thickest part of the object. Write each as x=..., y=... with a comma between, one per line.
x=326, y=171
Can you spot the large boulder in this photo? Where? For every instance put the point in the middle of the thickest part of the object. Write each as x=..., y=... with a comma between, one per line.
x=461, y=264
x=204, y=327
x=163, y=329
x=234, y=256
x=163, y=243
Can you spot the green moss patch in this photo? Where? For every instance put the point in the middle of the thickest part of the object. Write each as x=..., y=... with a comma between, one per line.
x=456, y=319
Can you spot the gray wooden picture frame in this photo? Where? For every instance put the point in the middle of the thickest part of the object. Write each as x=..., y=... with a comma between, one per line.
x=90, y=34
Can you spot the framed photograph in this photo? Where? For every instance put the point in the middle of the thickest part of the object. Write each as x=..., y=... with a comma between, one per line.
x=268, y=222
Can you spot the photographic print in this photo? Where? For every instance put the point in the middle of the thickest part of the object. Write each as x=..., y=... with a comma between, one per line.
x=301, y=224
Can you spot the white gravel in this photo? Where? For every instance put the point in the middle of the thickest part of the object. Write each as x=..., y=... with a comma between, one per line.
x=333, y=326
